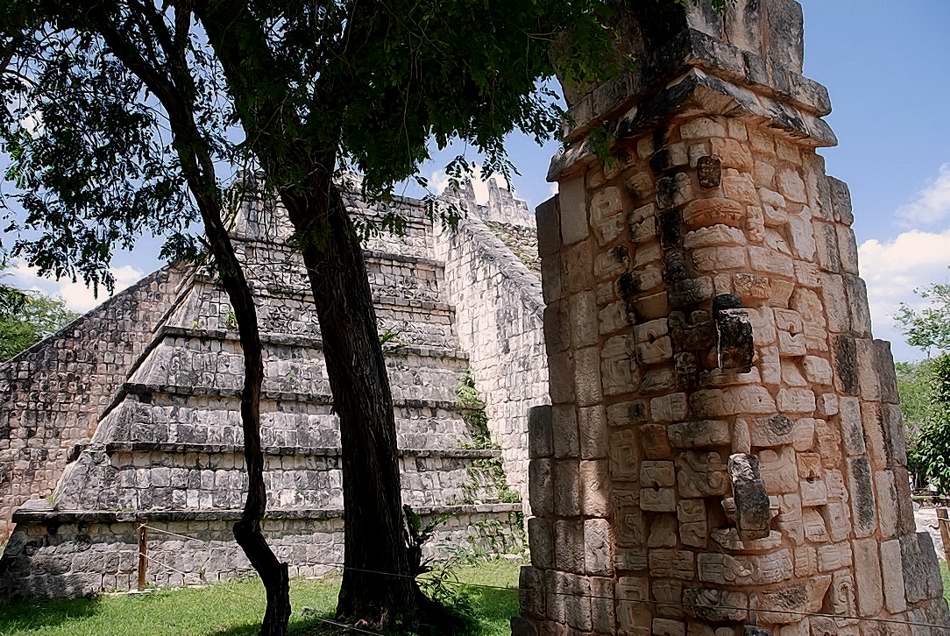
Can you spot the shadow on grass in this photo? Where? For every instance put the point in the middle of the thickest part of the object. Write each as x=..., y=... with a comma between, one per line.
x=310, y=624
x=23, y=615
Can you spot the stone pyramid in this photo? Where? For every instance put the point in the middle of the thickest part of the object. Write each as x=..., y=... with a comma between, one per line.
x=167, y=452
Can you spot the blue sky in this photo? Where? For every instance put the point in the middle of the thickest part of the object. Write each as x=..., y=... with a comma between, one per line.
x=884, y=63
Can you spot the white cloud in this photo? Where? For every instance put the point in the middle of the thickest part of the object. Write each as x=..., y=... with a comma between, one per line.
x=894, y=269
x=76, y=295
x=440, y=181
x=932, y=203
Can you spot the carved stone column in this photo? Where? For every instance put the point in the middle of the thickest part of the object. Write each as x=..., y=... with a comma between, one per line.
x=724, y=451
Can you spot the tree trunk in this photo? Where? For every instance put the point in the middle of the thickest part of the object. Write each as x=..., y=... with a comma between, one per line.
x=247, y=531
x=372, y=498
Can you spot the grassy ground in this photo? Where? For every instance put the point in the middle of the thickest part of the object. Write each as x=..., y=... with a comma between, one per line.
x=233, y=609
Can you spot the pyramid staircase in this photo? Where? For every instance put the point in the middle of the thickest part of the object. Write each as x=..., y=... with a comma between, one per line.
x=168, y=452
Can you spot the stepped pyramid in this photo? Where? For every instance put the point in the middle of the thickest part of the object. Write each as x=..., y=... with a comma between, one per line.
x=167, y=452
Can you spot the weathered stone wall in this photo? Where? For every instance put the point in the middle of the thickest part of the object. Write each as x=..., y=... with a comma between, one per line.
x=724, y=453
x=54, y=393
x=89, y=553
x=499, y=323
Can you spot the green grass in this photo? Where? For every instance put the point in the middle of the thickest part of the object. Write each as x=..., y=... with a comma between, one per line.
x=234, y=609
x=945, y=573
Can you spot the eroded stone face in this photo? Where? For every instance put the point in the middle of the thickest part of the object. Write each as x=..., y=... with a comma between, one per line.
x=764, y=469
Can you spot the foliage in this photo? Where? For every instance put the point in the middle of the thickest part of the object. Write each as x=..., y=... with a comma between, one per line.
x=37, y=317
x=931, y=453
x=928, y=328
x=233, y=609
x=914, y=384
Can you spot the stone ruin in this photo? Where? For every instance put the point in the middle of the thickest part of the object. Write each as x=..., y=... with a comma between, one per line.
x=130, y=415
x=724, y=454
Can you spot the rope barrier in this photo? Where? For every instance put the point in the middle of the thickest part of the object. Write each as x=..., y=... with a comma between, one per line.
x=669, y=604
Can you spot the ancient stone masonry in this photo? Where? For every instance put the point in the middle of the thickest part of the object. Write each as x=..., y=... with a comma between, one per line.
x=499, y=310
x=724, y=453
x=167, y=447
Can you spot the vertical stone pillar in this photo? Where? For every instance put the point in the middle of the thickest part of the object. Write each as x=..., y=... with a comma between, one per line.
x=724, y=452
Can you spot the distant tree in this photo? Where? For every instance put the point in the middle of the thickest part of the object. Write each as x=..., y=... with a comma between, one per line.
x=915, y=386
x=930, y=455
x=34, y=317
x=928, y=328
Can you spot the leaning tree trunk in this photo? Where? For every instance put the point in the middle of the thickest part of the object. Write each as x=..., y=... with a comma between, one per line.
x=247, y=530
x=372, y=498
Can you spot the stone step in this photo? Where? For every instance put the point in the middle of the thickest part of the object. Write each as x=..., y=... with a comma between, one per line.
x=174, y=476
x=271, y=265
x=157, y=414
x=290, y=311
x=173, y=448
x=212, y=364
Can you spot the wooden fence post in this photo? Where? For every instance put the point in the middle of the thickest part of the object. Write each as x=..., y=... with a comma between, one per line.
x=943, y=522
x=143, y=558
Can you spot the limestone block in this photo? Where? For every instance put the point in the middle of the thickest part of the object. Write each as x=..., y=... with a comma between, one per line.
x=826, y=242
x=786, y=605
x=572, y=196
x=541, y=487
x=669, y=408
x=567, y=488
x=603, y=618
x=867, y=575
x=817, y=370
x=841, y=201
x=583, y=316
x=733, y=154
x=587, y=386
x=887, y=375
x=592, y=429
x=836, y=303
x=701, y=474
x=629, y=526
x=852, y=427
x=796, y=401
x=771, y=431
x=886, y=495
x=708, y=168
x=569, y=546
x=624, y=454
x=715, y=606
x=802, y=237
x=672, y=564
x=540, y=442
x=861, y=491
x=655, y=441
x=691, y=514
x=814, y=525
x=578, y=264
x=673, y=190
x=532, y=596
x=618, y=368
x=595, y=488
x=842, y=597
x=753, y=516
x=920, y=568
x=565, y=433
x=703, y=127
x=858, y=305
x=714, y=236
x=729, y=539
x=779, y=470
x=657, y=474
x=806, y=561
x=658, y=499
x=770, y=261
x=668, y=594
x=765, y=569
x=834, y=556
x=663, y=532
x=892, y=569
x=699, y=434
x=598, y=557
x=548, y=225
x=791, y=185
x=561, y=377
x=702, y=213
x=541, y=538
x=627, y=413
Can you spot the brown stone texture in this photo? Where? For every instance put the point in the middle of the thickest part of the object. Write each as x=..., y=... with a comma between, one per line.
x=768, y=493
